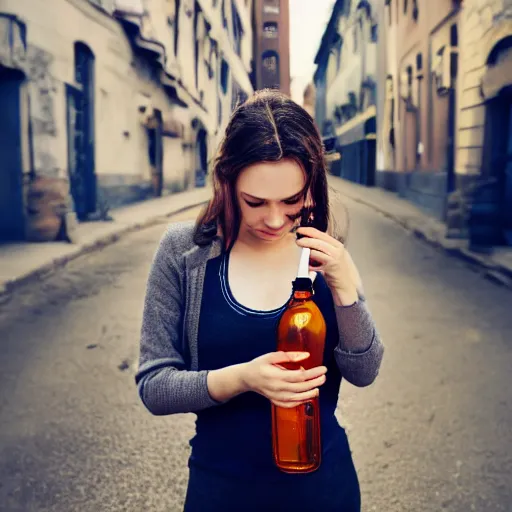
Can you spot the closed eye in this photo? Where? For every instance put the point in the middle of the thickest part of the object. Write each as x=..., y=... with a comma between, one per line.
x=253, y=205
x=293, y=201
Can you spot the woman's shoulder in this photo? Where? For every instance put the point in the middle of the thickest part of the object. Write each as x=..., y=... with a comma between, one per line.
x=177, y=239
x=181, y=234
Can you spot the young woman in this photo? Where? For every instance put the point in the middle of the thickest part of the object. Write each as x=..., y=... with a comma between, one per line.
x=215, y=292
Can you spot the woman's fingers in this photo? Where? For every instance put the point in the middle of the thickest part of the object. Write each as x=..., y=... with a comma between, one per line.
x=315, y=233
x=320, y=257
x=301, y=387
x=319, y=245
x=284, y=357
x=303, y=375
x=296, y=398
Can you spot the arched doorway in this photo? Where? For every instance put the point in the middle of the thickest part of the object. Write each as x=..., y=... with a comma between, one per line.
x=81, y=137
x=156, y=152
x=200, y=152
x=12, y=219
x=497, y=155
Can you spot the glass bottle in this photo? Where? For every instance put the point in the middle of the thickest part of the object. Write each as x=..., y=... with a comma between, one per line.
x=296, y=431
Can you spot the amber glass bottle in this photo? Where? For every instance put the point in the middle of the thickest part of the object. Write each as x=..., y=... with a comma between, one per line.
x=296, y=431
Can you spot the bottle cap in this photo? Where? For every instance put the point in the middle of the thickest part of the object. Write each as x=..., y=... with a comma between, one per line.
x=303, y=284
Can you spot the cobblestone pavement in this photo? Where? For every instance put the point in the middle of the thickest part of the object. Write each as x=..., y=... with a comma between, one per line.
x=433, y=433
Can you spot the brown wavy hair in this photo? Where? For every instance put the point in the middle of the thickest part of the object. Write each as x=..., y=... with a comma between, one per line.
x=268, y=127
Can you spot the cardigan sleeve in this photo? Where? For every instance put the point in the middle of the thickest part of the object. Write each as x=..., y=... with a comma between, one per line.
x=360, y=350
x=164, y=383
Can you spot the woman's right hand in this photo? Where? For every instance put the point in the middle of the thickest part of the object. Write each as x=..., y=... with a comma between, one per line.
x=283, y=387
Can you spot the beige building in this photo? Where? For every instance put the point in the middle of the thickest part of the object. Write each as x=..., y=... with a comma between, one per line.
x=417, y=122
x=481, y=208
x=109, y=101
x=444, y=130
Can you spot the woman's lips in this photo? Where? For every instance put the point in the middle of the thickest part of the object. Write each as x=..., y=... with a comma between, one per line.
x=273, y=234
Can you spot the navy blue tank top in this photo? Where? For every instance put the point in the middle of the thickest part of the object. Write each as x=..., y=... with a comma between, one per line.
x=235, y=438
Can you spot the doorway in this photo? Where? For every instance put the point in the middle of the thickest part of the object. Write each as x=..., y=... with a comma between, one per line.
x=501, y=157
x=81, y=137
x=12, y=220
x=201, y=158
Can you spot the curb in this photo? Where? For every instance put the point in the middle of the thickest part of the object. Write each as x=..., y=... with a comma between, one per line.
x=47, y=269
x=454, y=247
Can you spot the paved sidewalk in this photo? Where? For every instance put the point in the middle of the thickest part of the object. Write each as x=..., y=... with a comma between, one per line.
x=496, y=266
x=20, y=262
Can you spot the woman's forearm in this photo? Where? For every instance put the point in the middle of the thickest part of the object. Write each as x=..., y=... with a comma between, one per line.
x=226, y=383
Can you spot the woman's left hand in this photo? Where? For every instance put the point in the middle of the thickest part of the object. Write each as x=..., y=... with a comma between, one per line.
x=330, y=257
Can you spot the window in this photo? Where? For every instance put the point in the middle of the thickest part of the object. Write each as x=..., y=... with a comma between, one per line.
x=237, y=30
x=409, y=81
x=224, y=76
x=271, y=7
x=390, y=12
x=415, y=10
x=224, y=17
x=419, y=62
x=270, y=30
x=375, y=33
x=405, y=6
x=270, y=69
x=176, y=25
x=454, y=36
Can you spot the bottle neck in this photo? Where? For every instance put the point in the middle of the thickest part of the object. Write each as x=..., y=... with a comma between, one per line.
x=302, y=295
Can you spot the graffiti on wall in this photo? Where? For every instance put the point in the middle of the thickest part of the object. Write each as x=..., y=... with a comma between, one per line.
x=43, y=90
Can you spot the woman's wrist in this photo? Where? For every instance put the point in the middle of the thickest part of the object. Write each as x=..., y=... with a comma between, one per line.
x=345, y=297
x=226, y=383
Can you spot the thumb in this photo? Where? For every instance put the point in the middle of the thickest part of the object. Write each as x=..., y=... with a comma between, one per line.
x=283, y=357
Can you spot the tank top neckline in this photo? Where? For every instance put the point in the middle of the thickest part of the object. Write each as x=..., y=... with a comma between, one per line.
x=231, y=300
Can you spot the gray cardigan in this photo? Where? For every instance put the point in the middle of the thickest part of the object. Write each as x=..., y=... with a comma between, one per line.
x=168, y=378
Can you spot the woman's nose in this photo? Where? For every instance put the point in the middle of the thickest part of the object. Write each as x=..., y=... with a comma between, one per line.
x=275, y=218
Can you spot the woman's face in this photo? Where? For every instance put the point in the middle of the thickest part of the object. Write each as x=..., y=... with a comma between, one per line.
x=269, y=193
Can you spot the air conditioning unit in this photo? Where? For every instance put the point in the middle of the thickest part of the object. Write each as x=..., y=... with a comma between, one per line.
x=446, y=70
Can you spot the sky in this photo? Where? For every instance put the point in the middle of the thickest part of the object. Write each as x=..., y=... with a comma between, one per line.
x=308, y=19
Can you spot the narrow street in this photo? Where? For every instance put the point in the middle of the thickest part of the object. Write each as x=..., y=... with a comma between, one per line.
x=433, y=433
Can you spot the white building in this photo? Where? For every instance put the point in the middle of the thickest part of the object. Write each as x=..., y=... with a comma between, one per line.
x=109, y=101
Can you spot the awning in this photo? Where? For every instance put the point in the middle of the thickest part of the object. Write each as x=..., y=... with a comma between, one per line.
x=357, y=128
x=173, y=89
x=171, y=127
x=131, y=15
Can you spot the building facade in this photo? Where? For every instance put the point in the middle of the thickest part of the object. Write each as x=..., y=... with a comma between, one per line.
x=345, y=82
x=444, y=136
x=272, y=45
x=481, y=206
x=418, y=124
x=122, y=101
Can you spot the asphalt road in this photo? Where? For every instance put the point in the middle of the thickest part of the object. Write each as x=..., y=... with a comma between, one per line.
x=434, y=432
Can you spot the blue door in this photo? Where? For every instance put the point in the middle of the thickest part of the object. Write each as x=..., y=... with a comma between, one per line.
x=12, y=225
